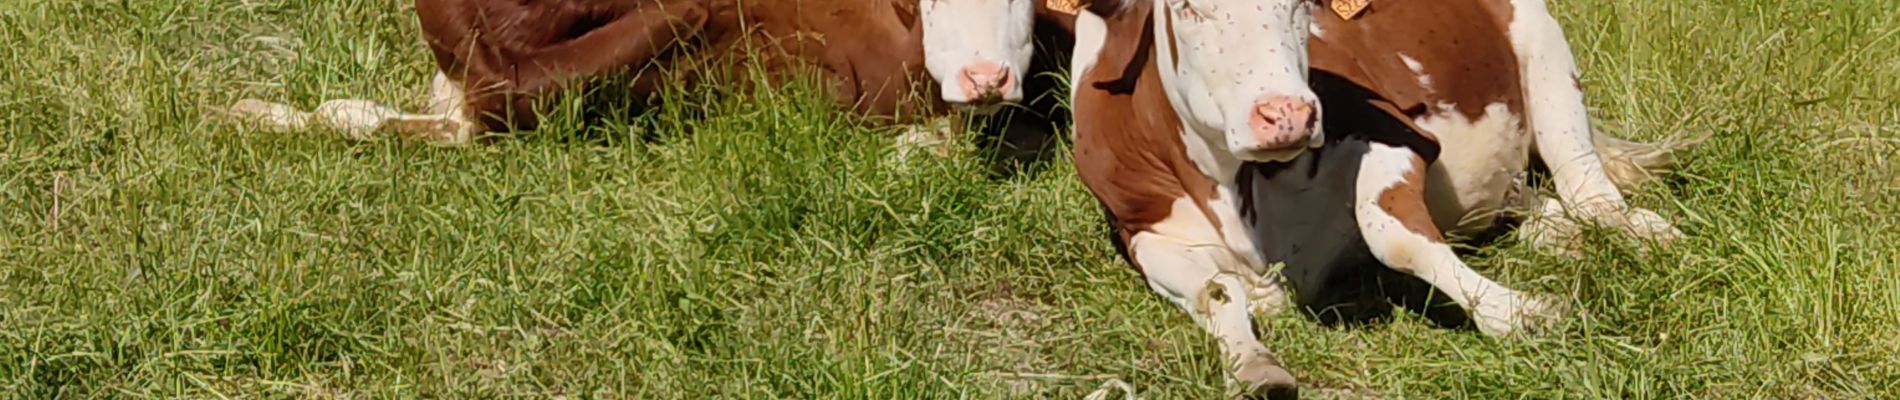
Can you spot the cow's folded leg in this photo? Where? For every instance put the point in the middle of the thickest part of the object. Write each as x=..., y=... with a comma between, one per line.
x=271, y=116
x=1201, y=279
x=448, y=122
x=354, y=117
x=1390, y=205
x=1562, y=127
x=626, y=42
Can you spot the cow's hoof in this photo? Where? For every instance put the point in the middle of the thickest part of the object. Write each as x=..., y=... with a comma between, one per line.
x=1551, y=234
x=357, y=118
x=1556, y=228
x=1267, y=296
x=1515, y=314
x=268, y=115
x=1262, y=377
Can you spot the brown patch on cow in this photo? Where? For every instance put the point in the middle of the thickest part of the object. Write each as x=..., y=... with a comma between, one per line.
x=1107, y=8
x=1464, y=47
x=1128, y=148
x=1405, y=200
x=508, y=55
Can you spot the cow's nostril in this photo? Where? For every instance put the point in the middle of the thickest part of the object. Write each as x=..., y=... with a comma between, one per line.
x=983, y=80
x=1280, y=122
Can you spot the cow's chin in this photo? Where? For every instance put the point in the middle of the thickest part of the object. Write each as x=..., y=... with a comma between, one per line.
x=1266, y=156
x=1281, y=154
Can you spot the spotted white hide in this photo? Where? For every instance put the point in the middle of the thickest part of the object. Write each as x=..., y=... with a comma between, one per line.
x=1239, y=77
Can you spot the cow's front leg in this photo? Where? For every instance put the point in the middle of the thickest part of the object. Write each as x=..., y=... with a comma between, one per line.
x=359, y=119
x=1206, y=280
x=1389, y=203
x=1564, y=139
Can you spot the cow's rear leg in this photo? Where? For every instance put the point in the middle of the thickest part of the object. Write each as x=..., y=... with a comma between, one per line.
x=448, y=121
x=1389, y=202
x=359, y=119
x=1551, y=226
x=1206, y=280
x=363, y=119
x=1563, y=135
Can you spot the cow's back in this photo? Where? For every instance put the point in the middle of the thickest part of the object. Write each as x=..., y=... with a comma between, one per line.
x=465, y=33
x=870, y=52
x=1420, y=54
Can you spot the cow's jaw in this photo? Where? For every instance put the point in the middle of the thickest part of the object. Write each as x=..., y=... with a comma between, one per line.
x=978, y=50
x=1235, y=71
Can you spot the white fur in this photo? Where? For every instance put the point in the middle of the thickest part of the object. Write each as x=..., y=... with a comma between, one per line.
x=1232, y=54
x=958, y=33
x=1561, y=125
x=1471, y=178
x=1497, y=310
x=1558, y=115
x=1189, y=262
x=1424, y=80
x=1091, y=33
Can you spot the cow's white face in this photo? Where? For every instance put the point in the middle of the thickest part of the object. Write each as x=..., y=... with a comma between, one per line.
x=1236, y=73
x=978, y=50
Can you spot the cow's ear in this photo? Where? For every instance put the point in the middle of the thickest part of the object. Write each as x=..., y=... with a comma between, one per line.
x=906, y=13
x=1128, y=44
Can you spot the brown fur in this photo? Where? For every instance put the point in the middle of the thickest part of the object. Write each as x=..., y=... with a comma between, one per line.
x=507, y=54
x=1461, y=45
x=1405, y=200
x=1128, y=149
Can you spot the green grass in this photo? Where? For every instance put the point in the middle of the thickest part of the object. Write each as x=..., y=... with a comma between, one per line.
x=774, y=250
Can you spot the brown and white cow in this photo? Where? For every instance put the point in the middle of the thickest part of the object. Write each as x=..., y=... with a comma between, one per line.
x=1199, y=129
x=497, y=58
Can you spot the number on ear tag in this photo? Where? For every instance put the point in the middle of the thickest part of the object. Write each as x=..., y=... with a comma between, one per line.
x=1349, y=9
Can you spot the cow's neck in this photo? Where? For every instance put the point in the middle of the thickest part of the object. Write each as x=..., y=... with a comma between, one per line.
x=1217, y=164
x=1209, y=155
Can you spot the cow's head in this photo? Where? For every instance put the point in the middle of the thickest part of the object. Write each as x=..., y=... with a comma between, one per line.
x=1235, y=70
x=978, y=50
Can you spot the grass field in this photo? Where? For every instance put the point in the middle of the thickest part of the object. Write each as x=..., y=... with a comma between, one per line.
x=776, y=249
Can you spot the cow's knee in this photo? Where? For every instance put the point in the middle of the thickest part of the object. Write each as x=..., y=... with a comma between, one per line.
x=1208, y=282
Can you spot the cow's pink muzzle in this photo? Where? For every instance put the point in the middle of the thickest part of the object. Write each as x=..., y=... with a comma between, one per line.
x=1280, y=123
x=985, y=81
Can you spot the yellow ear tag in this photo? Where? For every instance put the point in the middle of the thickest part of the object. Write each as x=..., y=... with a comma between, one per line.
x=1069, y=7
x=1349, y=9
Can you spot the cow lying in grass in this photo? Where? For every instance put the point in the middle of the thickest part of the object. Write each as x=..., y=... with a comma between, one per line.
x=497, y=60
x=1215, y=154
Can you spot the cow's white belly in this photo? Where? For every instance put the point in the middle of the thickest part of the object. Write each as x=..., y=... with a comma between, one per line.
x=1478, y=168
